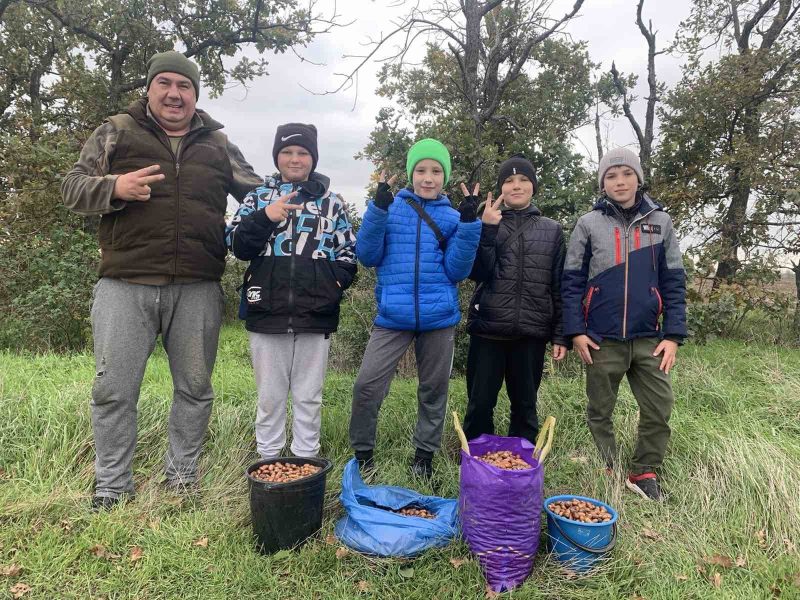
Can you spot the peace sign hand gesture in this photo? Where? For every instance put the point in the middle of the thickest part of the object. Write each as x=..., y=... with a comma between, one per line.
x=384, y=197
x=469, y=206
x=491, y=211
x=135, y=186
x=279, y=210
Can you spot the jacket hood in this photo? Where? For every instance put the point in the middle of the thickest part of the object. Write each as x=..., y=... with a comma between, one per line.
x=648, y=204
x=407, y=193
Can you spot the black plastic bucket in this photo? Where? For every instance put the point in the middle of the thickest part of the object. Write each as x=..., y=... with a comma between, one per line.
x=286, y=514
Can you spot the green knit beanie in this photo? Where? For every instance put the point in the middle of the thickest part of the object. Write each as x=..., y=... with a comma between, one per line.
x=173, y=62
x=428, y=148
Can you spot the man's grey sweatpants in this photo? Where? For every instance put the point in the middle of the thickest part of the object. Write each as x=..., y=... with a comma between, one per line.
x=126, y=321
x=284, y=362
x=434, y=353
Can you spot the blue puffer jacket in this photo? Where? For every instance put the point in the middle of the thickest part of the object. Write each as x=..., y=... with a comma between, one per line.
x=416, y=288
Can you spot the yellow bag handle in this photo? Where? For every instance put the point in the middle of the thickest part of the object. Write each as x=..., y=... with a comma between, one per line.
x=543, y=449
x=460, y=432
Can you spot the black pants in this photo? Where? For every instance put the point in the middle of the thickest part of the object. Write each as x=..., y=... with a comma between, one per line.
x=521, y=363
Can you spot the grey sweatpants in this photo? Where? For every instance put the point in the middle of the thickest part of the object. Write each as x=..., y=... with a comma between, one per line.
x=284, y=362
x=434, y=352
x=126, y=321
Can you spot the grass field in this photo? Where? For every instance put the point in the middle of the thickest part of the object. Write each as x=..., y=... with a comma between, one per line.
x=730, y=527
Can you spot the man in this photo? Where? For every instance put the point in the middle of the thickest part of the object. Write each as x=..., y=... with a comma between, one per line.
x=159, y=174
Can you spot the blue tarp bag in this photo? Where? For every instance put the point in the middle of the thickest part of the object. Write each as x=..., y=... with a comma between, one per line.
x=369, y=528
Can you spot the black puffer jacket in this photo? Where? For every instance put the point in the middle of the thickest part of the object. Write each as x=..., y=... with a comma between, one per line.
x=519, y=278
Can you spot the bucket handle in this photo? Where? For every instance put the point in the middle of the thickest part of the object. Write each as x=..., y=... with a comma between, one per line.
x=460, y=432
x=543, y=449
x=607, y=548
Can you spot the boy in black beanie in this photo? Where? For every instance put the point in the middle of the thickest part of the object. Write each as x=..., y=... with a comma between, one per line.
x=296, y=234
x=516, y=308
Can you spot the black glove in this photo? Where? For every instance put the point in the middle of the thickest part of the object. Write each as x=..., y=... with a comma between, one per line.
x=383, y=197
x=468, y=209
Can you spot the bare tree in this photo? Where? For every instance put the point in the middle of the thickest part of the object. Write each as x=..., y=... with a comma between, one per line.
x=645, y=138
x=491, y=41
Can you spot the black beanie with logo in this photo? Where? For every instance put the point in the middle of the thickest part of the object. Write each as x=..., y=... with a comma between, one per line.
x=517, y=165
x=296, y=134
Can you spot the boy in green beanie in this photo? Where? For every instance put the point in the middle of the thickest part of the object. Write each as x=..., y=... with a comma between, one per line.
x=421, y=248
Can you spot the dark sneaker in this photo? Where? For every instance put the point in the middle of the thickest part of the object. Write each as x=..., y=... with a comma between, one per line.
x=646, y=485
x=422, y=467
x=101, y=503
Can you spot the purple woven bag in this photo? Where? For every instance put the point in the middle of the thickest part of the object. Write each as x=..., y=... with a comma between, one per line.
x=501, y=510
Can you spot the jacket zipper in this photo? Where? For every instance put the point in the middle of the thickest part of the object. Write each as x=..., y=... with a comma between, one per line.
x=416, y=276
x=520, y=271
x=291, y=272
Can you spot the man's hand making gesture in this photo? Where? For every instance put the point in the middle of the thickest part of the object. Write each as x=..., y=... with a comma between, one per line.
x=135, y=186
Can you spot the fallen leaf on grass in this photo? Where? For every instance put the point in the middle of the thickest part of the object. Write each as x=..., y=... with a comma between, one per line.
x=101, y=551
x=762, y=538
x=682, y=577
x=406, y=572
x=716, y=580
x=790, y=546
x=457, y=562
x=136, y=554
x=341, y=552
x=650, y=534
x=330, y=539
x=363, y=586
x=490, y=593
x=66, y=525
x=19, y=590
x=10, y=570
x=740, y=561
x=719, y=560
x=202, y=542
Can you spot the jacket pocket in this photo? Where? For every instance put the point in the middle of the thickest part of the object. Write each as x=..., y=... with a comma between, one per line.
x=654, y=291
x=327, y=292
x=587, y=303
x=257, y=286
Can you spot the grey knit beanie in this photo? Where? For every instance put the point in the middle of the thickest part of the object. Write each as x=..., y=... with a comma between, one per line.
x=619, y=157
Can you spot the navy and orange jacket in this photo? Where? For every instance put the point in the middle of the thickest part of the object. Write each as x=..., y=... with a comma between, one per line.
x=624, y=280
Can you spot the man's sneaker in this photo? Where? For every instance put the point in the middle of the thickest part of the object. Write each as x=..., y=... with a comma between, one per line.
x=422, y=467
x=646, y=485
x=101, y=503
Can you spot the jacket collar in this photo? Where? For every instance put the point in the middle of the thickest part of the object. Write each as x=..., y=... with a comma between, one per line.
x=607, y=206
x=528, y=210
x=274, y=181
x=407, y=193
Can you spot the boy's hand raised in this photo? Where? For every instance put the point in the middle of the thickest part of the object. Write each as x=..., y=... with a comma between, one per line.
x=384, y=197
x=469, y=206
x=279, y=210
x=491, y=211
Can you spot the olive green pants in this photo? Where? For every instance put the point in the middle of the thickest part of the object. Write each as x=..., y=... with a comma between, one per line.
x=652, y=389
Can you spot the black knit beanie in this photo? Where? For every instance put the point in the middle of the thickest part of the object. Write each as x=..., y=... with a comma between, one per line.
x=517, y=165
x=296, y=134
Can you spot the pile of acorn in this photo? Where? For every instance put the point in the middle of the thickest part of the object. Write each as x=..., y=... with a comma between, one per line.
x=411, y=511
x=284, y=472
x=505, y=459
x=580, y=510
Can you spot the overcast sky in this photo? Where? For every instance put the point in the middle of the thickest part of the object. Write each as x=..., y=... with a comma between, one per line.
x=344, y=120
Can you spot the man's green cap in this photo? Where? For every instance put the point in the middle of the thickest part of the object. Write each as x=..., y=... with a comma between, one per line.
x=173, y=62
x=428, y=148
